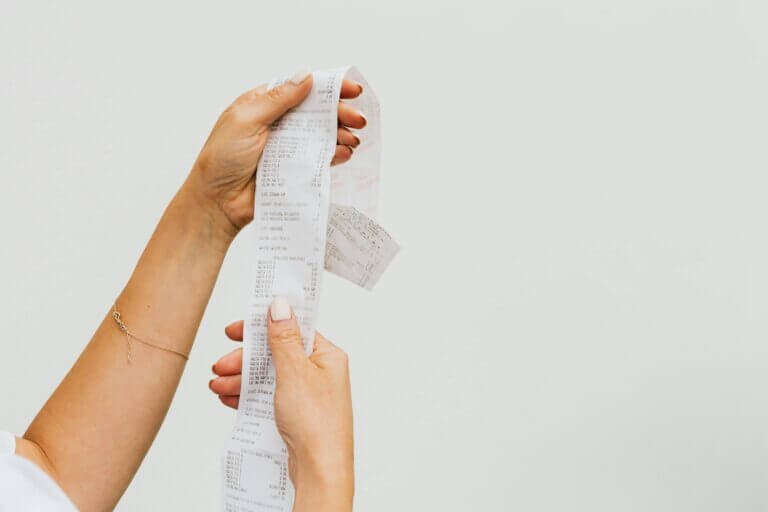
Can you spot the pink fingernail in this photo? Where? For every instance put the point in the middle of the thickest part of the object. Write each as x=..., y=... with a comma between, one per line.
x=280, y=309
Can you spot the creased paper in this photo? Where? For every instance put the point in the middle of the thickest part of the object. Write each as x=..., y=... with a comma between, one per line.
x=306, y=218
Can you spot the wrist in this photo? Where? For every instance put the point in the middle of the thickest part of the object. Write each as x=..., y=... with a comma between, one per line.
x=208, y=219
x=330, y=497
x=326, y=487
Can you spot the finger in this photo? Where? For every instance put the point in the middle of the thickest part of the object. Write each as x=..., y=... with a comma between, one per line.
x=342, y=154
x=234, y=331
x=248, y=96
x=322, y=345
x=350, y=89
x=325, y=354
x=284, y=335
x=230, y=401
x=349, y=116
x=230, y=364
x=345, y=137
x=226, y=386
x=269, y=106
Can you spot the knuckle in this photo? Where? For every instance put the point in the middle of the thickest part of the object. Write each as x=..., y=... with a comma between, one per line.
x=275, y=95
x=246, y=96
x=342, y=356
x=237, y=113
x=284, y=337
x=204, y=160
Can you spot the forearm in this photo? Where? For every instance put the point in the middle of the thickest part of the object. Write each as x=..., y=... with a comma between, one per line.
x=98, y=425
x=334, y=496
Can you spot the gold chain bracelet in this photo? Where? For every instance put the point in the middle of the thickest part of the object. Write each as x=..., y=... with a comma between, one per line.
x=129, y=336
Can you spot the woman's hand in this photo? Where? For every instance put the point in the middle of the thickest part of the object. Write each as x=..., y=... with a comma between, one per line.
x=313, y=409
x=224, y=173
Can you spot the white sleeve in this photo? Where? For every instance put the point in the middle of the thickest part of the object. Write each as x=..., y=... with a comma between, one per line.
x=7, y=443
x=24, y=486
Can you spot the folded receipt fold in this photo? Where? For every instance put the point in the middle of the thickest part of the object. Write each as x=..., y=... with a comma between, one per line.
x=306, y=218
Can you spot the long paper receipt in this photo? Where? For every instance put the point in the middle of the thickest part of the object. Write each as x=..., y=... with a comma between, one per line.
x=306, y=218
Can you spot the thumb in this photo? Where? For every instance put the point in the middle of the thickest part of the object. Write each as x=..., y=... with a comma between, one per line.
x=275, y=102
x=284, y=335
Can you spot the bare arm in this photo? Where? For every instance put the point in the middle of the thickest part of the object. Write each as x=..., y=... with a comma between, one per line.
x=96, y=428
x=98, y=425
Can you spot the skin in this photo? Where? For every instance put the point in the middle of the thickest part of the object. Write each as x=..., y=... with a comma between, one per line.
x=313, y=413
x=104, y=398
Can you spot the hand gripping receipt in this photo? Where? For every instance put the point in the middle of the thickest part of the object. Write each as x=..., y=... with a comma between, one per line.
x=306, y=218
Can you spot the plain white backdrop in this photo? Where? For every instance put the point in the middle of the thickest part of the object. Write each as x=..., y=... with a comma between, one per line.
x=577, y=319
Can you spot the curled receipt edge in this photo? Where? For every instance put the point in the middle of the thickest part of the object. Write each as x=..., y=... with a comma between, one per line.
x=306, y=218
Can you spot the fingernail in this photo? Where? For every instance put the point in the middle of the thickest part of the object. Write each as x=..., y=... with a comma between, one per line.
x=210, y=384
x=365, y=119
x=280, y=309
x=213, y=368
x=357, y=141
x=300, y=76
x=361, y=88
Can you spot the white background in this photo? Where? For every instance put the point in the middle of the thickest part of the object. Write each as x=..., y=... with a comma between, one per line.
x=577, y=319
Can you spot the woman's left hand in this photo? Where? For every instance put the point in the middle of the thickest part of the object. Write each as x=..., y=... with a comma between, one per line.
x=224, y=173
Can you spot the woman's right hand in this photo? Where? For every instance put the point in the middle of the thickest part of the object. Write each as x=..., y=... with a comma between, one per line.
x=313, y=409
